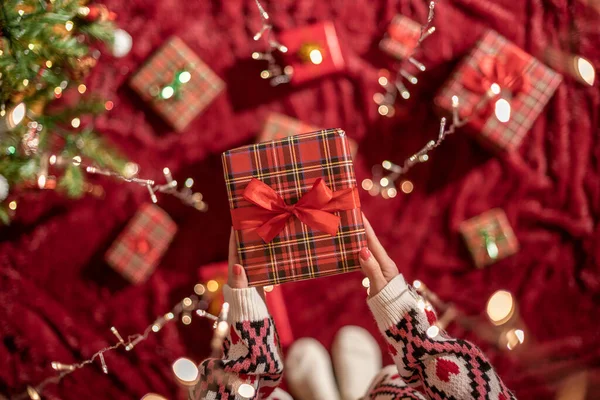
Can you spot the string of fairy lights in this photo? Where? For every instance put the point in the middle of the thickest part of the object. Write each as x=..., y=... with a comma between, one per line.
x=186, y=371
x=274, y=72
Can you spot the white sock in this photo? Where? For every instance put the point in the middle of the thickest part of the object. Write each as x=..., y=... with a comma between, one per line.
x=357, y=360
x=308, y=371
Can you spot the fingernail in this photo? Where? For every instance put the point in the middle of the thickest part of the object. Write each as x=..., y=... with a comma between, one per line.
x=365, y=254
x=237, y=269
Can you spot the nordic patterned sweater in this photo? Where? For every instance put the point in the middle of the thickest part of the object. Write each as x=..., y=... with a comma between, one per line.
x=426, y=368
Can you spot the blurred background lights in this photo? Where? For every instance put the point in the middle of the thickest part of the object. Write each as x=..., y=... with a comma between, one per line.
x=502, y=110
x=406, y=187
x=185, y=77
x=316, y=57
x=245, y=390
x=433, y=331
x=366, y=283
x=185, y=371
x=16, y=115
x=500, y=307
x=585, y=69
x=212, y=285
x=167, y=92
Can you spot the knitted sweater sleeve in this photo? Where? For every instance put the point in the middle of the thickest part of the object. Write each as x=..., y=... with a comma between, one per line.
x=445, y=367
x=251, y=351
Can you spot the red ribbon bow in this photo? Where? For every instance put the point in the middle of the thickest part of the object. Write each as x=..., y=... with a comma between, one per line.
x=269, y=212
x=508, y=72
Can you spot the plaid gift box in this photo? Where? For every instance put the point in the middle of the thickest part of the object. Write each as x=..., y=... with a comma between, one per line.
x=278, y=126
x=522, y=80
x=138, y=249
x=290, y=175
x=489, y=237
x=191, y=93
x=313, y=51
x=402, y=37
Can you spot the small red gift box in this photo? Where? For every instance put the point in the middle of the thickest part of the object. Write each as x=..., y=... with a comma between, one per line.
x=177, y=84
x=278, y=126
x=312, y=52
x=498, y=71
x=139, y=248
x=295, y=207
x=489, y=237
x=402, y=37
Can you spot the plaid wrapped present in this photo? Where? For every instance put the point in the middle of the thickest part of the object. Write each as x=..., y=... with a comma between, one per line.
x=402, y=37
x=313, y=51
x=193, y=85
x=138, y=249
x=518, y=77
x=489, y=237
x=295, y=208
x=278, y=126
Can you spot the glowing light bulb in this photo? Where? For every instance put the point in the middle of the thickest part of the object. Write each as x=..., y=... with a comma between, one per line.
x=383, y=110
x=495, y=88
x=199, y=289
x=16, y=115
x=41, y=181
x=454, y=101
x=383, y=81
x=69, y=26
x=185, y=371
x=185, y=77
x=366, y=283
x=392, y=192
x=246, y=391
x=384, y=181
x=417, y=284
x=109, y=105
x=212, y=286
x=520, y=335
x=25, y=82
x=367, y=184
x=12, y=205
x=81, y=88
x=316, y=57
x=407, y=187
x=75, y=122
x=49, y=64
x=500, y=307
x=386, y=164
x=433, y=331
x=31, y=46
x=167, y=92
x=502, y=110
x=585, y=69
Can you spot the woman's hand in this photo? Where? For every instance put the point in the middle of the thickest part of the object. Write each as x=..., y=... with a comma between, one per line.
x=375, y=263
x=237, y=276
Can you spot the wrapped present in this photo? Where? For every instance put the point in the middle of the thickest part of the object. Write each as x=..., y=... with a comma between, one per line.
x=279, y=126
x=489, y=237
x=501, y=90
x=176, y=83
x=312, y=52
x=139, y=248
x=402, y=37
x=295, y=207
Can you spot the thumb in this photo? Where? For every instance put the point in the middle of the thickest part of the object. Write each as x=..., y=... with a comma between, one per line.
x=237, y=277
x=372, y=270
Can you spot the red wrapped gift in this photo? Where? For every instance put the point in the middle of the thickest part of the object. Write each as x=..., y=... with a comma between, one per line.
x=312, y=52
x=498, y=71
x=139, y=248
x=489, y=237
x=402, y=37
x=295, y=207
x=176, y=83
x=279, y=126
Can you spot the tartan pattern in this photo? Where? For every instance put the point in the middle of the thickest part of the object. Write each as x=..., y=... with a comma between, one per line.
x=195, y=95
x=138, y=249
x=495, y=223
x=402, y=37
x=291, y=166
x=526, y=105
x=279, y=126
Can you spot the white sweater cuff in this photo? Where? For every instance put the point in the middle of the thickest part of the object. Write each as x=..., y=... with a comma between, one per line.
x=244, y=304
x=391, y=303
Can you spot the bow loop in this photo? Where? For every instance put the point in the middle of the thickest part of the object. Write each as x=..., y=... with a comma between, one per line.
x=269, y=213
x=508, y=72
